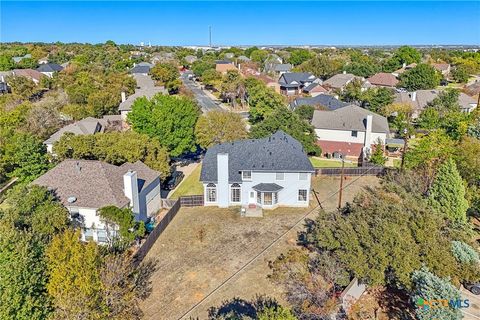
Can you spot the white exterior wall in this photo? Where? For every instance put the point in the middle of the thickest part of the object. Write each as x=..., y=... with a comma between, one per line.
x=346, y=136
x=288, y=196
x=91, y=219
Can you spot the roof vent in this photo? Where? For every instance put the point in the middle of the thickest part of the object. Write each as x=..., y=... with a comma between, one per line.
x=71, y=199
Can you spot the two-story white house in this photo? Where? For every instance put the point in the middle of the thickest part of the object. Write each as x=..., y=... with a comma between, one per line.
x=350, y=130
x=85, y=186
x=264, y=173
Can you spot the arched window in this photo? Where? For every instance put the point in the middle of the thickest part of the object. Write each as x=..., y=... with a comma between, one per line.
x=211, y=191
x=235, y=192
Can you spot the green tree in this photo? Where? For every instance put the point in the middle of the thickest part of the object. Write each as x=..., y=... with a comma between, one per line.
x=200, y=66
x=211, y=77
x=447, y=193
x=115, y=148
x=376, y=99
x=276, y=313
x=408, y=55
x=378, y=156
x=428, y=287
x=467, y=160
x=299, y=56
x=22, y=86
x=362, y=69
x=28, y=63
x=6, y=62
x=259, y=55
x=291, y=123
x=464, y=253
x=460, y=74
x=171, y=119
x=24, y=157
x=233, y=87
x=74, y=280
x=23, y=293
x=262, y=100
x=123, y=221
x=322, y=66
x=421, y=77
x=164, y=72
x=219, y=126
x=305, y=112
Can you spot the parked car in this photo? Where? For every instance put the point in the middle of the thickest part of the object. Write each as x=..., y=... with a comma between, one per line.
x=473, y=288
x=174, y=180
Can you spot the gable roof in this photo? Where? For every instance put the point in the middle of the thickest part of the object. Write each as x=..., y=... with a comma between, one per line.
x=323, y=100
x=88, y=125
x=441, y=66
x=282, y=67
x=296, y=78
x=349, y=118
x=140, y=69
x=339, y=80
x=383, y=79
x=93, y=183
x=28, y=73
x=49, y=67
x=278, y=152
x=424, y=97
x=314, y=87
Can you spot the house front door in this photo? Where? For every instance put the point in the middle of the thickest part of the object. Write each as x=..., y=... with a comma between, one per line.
x=251, y=197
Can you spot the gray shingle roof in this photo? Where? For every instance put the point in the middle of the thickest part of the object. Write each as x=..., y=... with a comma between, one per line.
x=351, y=118
x=339, y=80
x=282, y=67
x=88, y=125
x=267, y=187
x=278, y=152
x=49, y=67
x=94, y=184
x=140, y=69
x=323, y=100
x=300, y=77
x=147, y=89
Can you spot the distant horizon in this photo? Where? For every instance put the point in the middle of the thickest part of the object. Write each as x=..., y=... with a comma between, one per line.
x=334, y=23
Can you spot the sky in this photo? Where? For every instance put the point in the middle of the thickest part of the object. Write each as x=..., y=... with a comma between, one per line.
x=243, y=23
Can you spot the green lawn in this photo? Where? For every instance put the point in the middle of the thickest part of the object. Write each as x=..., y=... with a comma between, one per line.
x=324, y=163
x=191, y=185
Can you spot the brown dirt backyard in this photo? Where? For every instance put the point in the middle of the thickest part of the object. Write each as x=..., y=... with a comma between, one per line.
x=205, y=246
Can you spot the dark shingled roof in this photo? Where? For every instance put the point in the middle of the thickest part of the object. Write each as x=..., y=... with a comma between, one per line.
x=94, y=184
x=324, y=100
x=267, y=187
x=299, y=77
x=49, y=67
x=279, y=152
x=140, y=69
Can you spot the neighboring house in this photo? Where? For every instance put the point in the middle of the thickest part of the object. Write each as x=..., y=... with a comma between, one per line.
x=223, y=66
x=43, y=60
x=49, y=69
x=190, y=59
x=314, y=89
x=383, y=79
x=420, y=99
x=145, y=88
x=322, y=101
x=85, y=186
x=85, y=126
x=34, y=75
x=243, y=59
x=269, y=82
x=339, y=81
x=443, y=68
x=257, y=173
x=292, y=83
x=350, y=130
x=404, y=68
x=163, y=57
x=281, y=68
x=18, y=59
x=142, y=68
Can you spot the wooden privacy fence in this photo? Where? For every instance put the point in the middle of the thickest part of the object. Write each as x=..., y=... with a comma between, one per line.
x=175, y=205
x=360, y=171
x=191, y=201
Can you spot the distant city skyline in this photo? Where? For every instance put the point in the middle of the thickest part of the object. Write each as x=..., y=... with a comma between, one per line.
x=243, y=23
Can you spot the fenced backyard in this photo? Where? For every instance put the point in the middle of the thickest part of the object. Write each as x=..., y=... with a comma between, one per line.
x=358, y=171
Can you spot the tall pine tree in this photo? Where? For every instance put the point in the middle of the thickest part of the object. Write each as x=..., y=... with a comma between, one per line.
x=447, y=193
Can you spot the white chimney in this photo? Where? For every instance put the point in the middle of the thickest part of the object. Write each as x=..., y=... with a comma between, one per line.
x=368, y=131
x=130, y=188
x=124, y=97
x=3, y=79
x=344, y=72
x=222, y=178
x=414, y=95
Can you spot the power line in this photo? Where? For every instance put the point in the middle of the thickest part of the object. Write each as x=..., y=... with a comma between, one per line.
x=275, y=241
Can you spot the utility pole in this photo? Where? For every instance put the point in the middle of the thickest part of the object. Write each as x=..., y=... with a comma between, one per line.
x=404, y=148
x=210, y=35
x=341, y=185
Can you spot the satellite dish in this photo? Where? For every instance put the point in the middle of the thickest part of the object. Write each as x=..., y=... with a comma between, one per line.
x=71, y=199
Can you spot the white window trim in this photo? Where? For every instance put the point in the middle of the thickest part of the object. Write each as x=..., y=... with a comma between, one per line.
x=247, y=179
x=306, y=195
x=239, y=188
x=207, y=190
x=300, y=176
